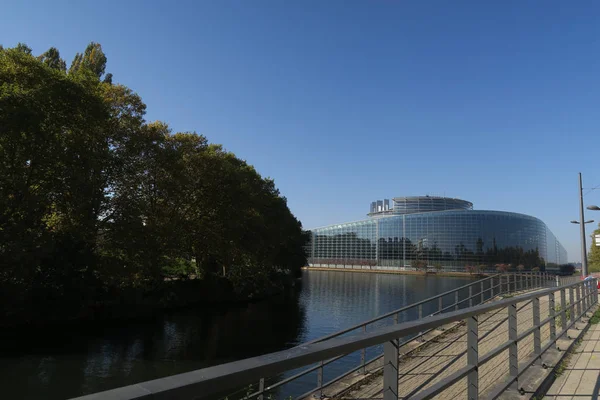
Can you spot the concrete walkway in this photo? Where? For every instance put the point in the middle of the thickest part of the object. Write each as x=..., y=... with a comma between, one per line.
x=447, y=355
x=581, y=378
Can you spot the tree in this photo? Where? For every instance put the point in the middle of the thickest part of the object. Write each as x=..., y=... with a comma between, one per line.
x=594, y=254
x=502, y=268
x=95, y=199
x=108, y=78
x=23, y=48
x=52, y=59
x=92, y=59
x=52, y=155
x=419, y=265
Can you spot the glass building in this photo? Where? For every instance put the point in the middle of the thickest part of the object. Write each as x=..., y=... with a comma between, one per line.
x=439, y=231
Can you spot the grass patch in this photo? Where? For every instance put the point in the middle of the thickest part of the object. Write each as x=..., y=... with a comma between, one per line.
x=557, y=311
x=596, y=317
x=566, y=359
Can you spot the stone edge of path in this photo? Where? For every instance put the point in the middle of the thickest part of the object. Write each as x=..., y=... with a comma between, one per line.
x=538, y=380
x=401, y=272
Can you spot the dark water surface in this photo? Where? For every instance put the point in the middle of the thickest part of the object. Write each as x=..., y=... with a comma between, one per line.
x=68, y=362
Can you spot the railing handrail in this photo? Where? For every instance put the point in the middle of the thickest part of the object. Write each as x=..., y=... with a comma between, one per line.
x=214, y=380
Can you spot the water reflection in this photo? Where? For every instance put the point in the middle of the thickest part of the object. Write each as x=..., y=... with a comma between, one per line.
x=68, y=362
x=62, y=363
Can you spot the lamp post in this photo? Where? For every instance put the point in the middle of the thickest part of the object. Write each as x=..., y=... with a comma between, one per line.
x=584, y=269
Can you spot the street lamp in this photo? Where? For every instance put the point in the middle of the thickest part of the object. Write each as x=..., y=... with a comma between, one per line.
x=593, y=208
x=584, y=269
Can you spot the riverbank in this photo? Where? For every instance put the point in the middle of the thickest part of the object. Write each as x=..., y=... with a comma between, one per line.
x=130, y=304
x=375, y=270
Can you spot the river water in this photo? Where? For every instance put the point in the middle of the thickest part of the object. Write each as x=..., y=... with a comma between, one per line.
x=68, y=362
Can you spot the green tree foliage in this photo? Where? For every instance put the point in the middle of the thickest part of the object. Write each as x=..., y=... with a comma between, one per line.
x=93, y=59
x=23, y=48
x=108, y=78
x=93, y=198
x=594, y=255
x=52, y=59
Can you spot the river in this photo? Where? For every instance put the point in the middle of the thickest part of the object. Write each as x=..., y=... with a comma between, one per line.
x=67, y=362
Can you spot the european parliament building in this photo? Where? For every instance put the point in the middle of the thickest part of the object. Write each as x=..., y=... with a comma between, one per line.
x=439, y=231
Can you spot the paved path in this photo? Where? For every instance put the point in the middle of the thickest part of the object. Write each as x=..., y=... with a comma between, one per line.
x=581, y=378
x=445, y=356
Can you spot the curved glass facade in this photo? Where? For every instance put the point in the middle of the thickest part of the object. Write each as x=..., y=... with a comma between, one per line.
x=450, y=238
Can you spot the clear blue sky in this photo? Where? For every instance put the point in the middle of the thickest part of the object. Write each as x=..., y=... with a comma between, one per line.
x=345, y=102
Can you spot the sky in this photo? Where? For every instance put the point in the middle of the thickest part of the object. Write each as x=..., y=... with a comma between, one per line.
x=346, y=102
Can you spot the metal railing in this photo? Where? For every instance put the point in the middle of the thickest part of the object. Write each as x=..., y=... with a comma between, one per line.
x=461, y=297
x=317, y=354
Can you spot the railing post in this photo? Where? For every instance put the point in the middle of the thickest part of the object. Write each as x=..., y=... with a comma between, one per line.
x=584, y=304
x=587, y=295
x=572, y=307
x=557, y=281
x=440, y=304
x=421, y=316
x=473, y=357
x=470, y=296
x=261, y=388
x=578, y=296
x=456, y=300
x=390, y=371
x=513, y=353
x=396, y=321
x=521, y=286
x=320, y=381
x=533, y=280
x=545, y=277
x=563, y=310
x=537, y=336
x=481, y=286
x=514, y=282
x=552, y=315
x=363, y=355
